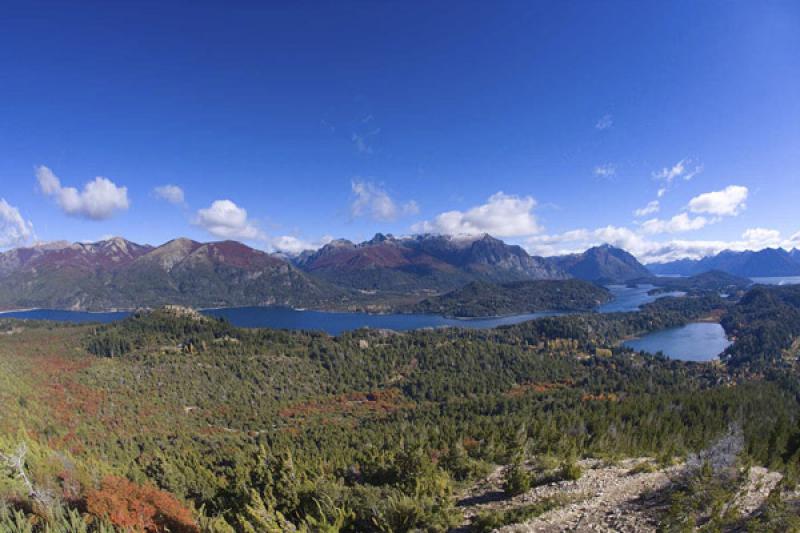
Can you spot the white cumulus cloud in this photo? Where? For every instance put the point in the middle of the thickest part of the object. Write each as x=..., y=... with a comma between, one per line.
x=100, y=198
x=171, y=193
x=648, y=250
x=679, y=223
x=503, y=215
x=14, y=229
x=728, y=202
x=649, y=209
x=793, y=241
x=291, y=245
x=226, y=220
x=762, y=237
x=373, y=201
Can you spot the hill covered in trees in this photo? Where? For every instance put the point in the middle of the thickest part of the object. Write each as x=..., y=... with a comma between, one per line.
x=714, y=281
x=494, y=299
x=171, y=420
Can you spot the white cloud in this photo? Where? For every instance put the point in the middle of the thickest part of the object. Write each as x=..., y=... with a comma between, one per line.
x=373, y=201
x=692, y=173
x=226, y=220
x=604, y=122
x=762, y=237
x=679, y=223
x=649, y=209
x=620, y=237
x=578, y=240
x=678, y=170
x=662, y=191
x=99, y=199
x=793, y=241
x=651, y=251
x=503, y=215
x=291, y=245
x=669, y=174
x=171, y=193
x=727, y=202
x=605, y=171
x=14, y=229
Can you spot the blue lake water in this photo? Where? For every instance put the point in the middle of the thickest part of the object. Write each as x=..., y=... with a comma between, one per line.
x=625, y=299
x=631, y=298
x=698, y=341
x=60, y=315
x=286, y=318
x=784, y=280
x=335, y=323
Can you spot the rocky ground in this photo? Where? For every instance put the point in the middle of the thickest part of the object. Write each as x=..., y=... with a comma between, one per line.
x=631, y=495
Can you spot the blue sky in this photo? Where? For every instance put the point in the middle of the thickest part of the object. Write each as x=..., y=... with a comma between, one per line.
x=548, y=124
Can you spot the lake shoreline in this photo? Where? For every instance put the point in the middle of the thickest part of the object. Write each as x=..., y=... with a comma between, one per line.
x=697, y=341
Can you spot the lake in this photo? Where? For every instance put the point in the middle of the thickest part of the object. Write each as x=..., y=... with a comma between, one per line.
x=783, y=280
x=698, y=341
x=631, y=298
x=334, y=323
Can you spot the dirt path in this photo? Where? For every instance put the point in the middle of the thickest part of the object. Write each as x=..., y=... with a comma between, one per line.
x=622, y=497
x=606, y=498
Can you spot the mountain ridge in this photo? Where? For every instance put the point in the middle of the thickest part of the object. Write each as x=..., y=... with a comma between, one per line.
x=423, y=262
x=767, y=262
x=601, y=264
x=121, y=274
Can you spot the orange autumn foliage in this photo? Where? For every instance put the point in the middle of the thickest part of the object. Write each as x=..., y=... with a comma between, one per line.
x=139, y=507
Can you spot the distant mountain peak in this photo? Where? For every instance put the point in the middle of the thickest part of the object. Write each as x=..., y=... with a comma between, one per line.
x=380, y=238
x=603, y=263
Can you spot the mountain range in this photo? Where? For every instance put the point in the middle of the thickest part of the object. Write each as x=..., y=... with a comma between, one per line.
x=427, y=262
x=763, y=263
x=117, y=273
x=377, y=274
x=381, y=274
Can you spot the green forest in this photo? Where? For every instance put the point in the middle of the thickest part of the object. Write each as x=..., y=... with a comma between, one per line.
x=481, y=298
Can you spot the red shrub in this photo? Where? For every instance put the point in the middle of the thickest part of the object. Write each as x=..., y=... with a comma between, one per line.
x=140, y=507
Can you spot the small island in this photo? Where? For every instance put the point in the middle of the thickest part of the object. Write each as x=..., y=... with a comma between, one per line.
x=482, y=299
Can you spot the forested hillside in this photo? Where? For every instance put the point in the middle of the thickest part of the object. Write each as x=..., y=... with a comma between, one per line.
x=494, y=299
x=170, y=420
